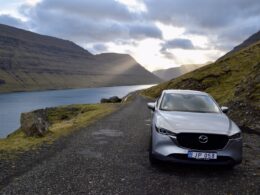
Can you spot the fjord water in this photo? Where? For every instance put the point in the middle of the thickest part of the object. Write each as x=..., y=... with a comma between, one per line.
x=13, y=104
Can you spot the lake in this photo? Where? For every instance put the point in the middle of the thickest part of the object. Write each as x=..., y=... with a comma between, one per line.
x=13, y=104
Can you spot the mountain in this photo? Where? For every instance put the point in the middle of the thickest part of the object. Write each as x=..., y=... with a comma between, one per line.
x=170, y=73
x=29, y=61
x=233, y=80
x=251, y=40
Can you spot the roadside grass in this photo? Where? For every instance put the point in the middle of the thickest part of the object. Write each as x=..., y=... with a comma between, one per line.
x=63, y=121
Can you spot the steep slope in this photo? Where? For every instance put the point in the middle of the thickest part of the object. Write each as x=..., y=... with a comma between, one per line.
x=233, y=80
x=170, y=73
x=249, y=41
x=29, y=61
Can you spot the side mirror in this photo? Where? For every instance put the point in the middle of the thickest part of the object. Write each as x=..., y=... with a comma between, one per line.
x=151, y=105
x=224, y=109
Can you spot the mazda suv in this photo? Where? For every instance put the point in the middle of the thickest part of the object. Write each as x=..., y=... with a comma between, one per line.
x=189, y=127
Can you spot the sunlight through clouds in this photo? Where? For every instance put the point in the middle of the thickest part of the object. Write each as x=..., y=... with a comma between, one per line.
x=134, y=5
x=32, y=2
x=158, y=34
x=170, y=32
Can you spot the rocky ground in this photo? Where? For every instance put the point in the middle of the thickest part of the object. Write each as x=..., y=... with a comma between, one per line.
x=111, y=157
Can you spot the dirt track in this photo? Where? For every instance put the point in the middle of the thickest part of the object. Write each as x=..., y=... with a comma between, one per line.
x=111, y=157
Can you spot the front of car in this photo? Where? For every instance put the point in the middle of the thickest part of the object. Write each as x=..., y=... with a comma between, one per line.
x=189, y=127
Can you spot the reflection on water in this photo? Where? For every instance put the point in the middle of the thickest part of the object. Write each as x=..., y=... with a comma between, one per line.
x=13, y=104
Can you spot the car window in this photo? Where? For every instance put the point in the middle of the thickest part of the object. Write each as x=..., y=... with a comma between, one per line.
x=188, y=103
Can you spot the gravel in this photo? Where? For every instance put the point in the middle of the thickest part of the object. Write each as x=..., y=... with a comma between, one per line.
x=111, y=157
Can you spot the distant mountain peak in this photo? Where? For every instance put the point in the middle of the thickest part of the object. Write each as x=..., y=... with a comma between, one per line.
x=170, y=73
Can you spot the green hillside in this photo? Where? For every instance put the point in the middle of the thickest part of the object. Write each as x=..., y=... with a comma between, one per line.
x=233, y=80
x=30, y=61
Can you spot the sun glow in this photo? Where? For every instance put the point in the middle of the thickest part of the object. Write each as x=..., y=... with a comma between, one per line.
x=149, y=52
x=134, y=5
x=170, y=32
x=32, y=2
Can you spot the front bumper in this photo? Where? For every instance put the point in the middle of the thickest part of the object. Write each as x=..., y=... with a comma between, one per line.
x=166, y=148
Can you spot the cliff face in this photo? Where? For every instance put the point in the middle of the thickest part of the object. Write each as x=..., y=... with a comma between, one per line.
x=29, y=61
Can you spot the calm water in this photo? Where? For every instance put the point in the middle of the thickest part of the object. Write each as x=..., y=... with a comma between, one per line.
x=13, y=104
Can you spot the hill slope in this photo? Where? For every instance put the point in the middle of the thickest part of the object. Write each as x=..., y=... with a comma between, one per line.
x=170, y=73
x=249, y=41
x=233, y=80
x=29, y=61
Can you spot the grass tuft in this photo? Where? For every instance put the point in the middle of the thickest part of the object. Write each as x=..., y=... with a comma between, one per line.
x=64, y=120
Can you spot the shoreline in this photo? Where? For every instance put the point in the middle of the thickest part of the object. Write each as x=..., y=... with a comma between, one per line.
x=63, y=122
x=60, y=89
x=14, y=103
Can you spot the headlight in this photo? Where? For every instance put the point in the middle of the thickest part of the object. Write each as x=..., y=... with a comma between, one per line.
x=235, y=136
x=165, y=131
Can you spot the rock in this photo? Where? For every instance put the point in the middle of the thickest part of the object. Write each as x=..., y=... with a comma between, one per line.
x=113, y=99
x=104, y=100
x=244, y=114
x=35, y=124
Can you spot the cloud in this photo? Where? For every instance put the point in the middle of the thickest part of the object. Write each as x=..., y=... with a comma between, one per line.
x=99, y=47
x=201, y=13
x=12, y=21
x=97, y=10
x=220, y=20
x=165, y=52
x=89, y=21
x=178, y=44
x=126, y=42
x=175, y=44
x=224, y=23
x=143, y=30
x=199, y=28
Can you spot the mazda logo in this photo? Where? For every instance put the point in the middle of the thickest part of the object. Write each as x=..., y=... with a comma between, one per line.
x=203, y=139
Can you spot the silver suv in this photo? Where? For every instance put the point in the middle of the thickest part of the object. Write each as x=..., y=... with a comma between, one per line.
x=189, y=127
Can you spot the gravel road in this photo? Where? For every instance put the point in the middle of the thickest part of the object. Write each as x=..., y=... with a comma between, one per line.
x=111, y=157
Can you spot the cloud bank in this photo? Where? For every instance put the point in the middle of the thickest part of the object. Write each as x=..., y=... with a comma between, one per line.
x=100, y=24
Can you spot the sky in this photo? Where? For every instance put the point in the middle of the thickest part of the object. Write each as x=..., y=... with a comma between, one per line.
x=159, y=34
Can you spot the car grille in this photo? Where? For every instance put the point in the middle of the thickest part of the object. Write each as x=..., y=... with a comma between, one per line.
x=191, y=141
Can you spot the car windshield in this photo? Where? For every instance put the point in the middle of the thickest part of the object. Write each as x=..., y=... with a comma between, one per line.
x=188, y=103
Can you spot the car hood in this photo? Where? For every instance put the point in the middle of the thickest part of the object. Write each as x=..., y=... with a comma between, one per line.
x=193, y=122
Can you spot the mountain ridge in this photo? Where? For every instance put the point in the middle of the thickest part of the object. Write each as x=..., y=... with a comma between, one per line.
x=170, y=73
x=29, y=61
x=249, y=41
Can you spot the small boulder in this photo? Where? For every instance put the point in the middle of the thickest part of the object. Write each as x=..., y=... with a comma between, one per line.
x=35, y=124
x=113, y=99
